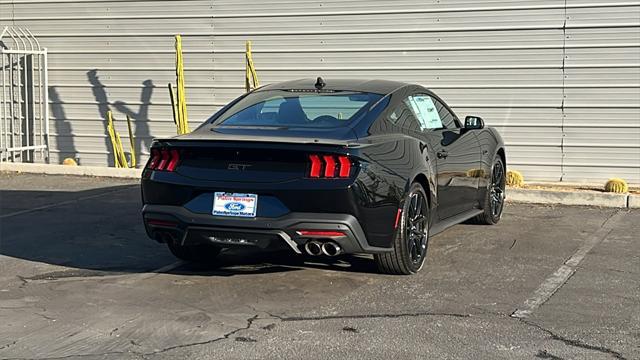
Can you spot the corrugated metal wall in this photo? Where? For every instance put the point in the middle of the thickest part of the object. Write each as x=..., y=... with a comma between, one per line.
x=560, y=79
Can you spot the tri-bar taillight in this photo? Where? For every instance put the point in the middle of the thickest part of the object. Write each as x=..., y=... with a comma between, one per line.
x=164, y=159
x=329, y=166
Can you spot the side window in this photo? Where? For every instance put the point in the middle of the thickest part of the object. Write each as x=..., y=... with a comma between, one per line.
x=448, y=119
x=425, y=111
x=403, y=117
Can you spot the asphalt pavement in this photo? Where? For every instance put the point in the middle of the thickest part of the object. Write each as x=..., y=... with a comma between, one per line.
x=79, y=279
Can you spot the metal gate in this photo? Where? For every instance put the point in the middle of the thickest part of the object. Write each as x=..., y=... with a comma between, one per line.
x=24, y=110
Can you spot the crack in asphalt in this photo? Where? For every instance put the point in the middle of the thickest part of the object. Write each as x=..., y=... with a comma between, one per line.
x=75, y=356
x=552, y=335
x=541, y=354
x=368, y=316
x=223, y=337
x=144, y=355
x=45, y=316
x=8, y=345
x=23, y=281
x=544, y=354
x=573, y=342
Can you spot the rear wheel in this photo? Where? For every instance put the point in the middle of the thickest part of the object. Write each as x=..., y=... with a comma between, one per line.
x=194, y=253
x=412, y=236
x=493, y=203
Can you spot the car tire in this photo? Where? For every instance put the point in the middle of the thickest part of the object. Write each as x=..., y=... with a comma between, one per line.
x=493, y=202
x=412, y=236
x=194, y=253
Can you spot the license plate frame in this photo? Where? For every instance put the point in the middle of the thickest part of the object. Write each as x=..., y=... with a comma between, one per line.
x=235, y=204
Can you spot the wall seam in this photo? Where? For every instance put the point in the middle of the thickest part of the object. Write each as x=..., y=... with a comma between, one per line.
x=213, y=53
x=564, y=95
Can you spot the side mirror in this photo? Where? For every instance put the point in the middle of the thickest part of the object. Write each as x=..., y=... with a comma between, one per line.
x=473, y=122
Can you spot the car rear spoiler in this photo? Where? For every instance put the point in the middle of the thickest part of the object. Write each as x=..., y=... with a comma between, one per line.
x=198, y=136
x=255, y=139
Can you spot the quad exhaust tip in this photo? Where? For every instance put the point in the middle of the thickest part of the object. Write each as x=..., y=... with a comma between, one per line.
x=313, y=248
x=331, y=249
x=317, y=248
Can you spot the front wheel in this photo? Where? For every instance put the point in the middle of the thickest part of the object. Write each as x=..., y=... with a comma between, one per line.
x=412, y=236
x=493, y=203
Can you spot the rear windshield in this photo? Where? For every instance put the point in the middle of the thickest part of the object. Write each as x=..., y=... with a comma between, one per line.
x=282, y=108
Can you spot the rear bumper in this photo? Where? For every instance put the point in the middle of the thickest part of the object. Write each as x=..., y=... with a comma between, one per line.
x=188, y=227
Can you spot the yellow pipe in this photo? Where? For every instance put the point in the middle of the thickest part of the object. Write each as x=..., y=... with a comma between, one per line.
x=132, y=143
x=112, y=136
x=183, y=122
x=121, y=156
x=251, y=76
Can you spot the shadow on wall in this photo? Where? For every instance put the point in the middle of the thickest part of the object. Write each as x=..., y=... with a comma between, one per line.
x=62, y=126
x=140, y=118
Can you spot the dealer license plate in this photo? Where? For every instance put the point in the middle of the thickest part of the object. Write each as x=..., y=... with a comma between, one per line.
x=232, y=204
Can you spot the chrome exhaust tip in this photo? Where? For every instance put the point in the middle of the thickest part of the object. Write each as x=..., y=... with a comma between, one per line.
x=313, y=248
x=331, y=249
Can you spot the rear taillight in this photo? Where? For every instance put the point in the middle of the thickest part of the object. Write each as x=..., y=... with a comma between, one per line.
x=316, y=166
x=174, y=158
x=164, y=159
x=345, y=166
x=329, y=166
x=155, y=159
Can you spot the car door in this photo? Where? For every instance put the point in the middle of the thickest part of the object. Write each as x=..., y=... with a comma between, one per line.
x=457, y=154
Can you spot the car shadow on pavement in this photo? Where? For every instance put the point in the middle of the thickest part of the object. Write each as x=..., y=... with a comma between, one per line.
x=97, y=229
x=248, y=261
x=99, y=232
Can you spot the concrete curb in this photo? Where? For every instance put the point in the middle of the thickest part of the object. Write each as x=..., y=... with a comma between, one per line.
x=72, y=170
x=634, y=201
x=589, y=198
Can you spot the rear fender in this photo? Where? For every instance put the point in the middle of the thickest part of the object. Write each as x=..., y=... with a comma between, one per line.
x=426, y=177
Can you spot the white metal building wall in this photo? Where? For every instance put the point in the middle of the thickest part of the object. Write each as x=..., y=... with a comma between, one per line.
x=560, y=79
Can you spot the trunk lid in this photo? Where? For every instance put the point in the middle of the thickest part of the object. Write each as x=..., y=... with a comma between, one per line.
x=255, y=155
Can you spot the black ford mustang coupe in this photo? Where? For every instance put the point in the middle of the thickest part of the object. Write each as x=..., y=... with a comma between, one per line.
x=325, y=168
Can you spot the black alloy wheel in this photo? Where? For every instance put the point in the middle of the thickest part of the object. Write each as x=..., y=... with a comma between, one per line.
x=416, y=228
x=496, y=192
x=494, y=198
x=412, y=236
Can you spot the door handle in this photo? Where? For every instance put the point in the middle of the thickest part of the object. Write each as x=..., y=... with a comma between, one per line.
x=442, y=154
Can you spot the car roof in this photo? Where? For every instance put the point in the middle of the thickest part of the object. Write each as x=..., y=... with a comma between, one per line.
x=360, y=85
